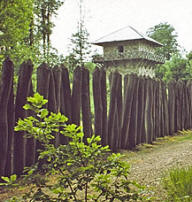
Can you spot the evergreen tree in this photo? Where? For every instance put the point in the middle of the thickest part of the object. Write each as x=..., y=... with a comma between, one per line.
x=80, y=46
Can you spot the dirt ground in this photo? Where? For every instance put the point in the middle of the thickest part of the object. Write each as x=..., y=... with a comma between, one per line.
x=148, y=166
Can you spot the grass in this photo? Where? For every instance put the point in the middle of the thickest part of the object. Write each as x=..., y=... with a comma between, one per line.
x=178, y=184
x=179, y=137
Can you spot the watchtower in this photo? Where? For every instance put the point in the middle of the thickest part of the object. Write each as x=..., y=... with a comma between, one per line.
x=129, y=51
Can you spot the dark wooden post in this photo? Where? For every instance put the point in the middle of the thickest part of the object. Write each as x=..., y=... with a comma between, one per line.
x=132, y=140
x=30, y=142
x=66, y=94
x=97, y=101
x=157, y=109
x=126, y=77
x=23, y=91
x=66, y=99
x=104, y=107
x=86, y=108
x=43, y=80
x=182, y=104
x=140, y=109
x=154, y=83
x=57, y=74
x=112, y=110
x=178, y=105
x=161, y=111
x=189, y=92
x=76, y=95
x=52, y=103
x=130, y=88
x=165, y=110
x=186, y=117
x=148, y=112
x=11, y=124
x=116, y=133
x=119, y=109
x=5, y=92
x=143, y=131
x=154, y=109
x=171, y=106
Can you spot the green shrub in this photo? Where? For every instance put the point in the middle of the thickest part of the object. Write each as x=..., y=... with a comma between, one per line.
x=178, y=184
x=78, y=171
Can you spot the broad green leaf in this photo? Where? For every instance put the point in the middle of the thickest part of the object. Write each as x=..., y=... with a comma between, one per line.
x=13, y=178
x=6, y=179
x=44, y=113
x=27, y=106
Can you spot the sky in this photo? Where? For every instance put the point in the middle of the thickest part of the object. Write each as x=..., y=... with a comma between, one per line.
x=105, y=16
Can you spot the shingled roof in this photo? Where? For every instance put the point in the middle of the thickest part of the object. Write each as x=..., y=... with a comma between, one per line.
x=127, y=33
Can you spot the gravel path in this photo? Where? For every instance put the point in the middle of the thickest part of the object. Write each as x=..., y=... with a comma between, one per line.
x=148, y=167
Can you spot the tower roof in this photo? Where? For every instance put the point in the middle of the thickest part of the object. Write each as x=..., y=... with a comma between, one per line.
x=127, y=33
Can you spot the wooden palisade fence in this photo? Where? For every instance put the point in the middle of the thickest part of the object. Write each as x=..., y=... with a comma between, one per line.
x=139, y=109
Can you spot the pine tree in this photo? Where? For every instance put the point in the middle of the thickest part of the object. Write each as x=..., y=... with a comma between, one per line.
x=80, y=47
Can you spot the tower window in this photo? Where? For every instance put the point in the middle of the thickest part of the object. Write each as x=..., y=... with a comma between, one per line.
x=120, y=49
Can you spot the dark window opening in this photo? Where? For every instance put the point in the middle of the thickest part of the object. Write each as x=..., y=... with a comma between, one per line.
x=120, y=49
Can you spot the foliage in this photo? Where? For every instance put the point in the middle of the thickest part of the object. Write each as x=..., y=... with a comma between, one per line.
x=80, y=47
x=53, y=58
x=70, y=62
x=90, y=65
x=14, y=21
x=9, y=181
x=84, y=170
x=165, y=34
x=44, y=10
x=178, y=184
x=25, y=29
x=178, y=67
x=15, y=18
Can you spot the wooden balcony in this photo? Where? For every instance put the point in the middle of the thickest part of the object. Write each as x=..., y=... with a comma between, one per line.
x=133, y=55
